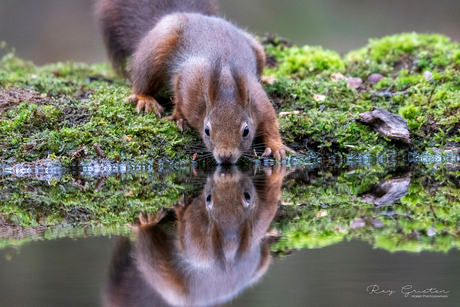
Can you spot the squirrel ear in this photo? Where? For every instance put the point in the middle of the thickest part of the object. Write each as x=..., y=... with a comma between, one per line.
x=214, y=82
x=241, y=89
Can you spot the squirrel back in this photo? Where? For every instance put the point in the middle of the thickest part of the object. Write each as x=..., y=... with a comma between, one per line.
x=125, y=22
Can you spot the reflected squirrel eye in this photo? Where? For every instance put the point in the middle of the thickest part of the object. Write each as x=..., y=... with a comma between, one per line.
x=206, y=130
x=208, y=199
x=245, y=131
x=247, y=197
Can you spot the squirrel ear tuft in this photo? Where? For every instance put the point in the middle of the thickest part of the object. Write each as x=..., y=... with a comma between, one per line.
x=214, y=82
x=241, y=89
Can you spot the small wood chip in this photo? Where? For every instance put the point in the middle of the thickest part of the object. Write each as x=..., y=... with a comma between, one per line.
x=288, y=113
x=319, y=97
x=428, y=75
x=336, y=77
x=128, y=138
x=357, y=223
x=79, y=151
x=99, y=151
x=268, y=79
x=321, y=213
x=129, y=193
x=354, y=82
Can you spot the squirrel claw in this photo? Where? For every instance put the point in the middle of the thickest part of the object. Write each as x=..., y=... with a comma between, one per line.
x=132, y=98
x=152, y=218
x=267, y=152
x=279, y=154
x=181, y=123
x=146, y=103
x=140, y=106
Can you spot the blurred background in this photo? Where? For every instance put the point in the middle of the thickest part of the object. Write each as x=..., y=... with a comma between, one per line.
x=47, y=31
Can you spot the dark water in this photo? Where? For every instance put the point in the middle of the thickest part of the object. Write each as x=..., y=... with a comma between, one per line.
x=311, y=235
x=69, y=272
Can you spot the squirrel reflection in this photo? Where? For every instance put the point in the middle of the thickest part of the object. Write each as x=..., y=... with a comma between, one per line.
x=217, y=249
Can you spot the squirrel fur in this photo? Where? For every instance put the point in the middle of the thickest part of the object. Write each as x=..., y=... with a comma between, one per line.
x=213, y=68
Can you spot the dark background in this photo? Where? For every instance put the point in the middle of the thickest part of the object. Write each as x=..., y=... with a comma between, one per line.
x=57, y=30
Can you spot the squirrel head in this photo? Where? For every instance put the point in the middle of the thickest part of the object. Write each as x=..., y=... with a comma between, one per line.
x=228, y=128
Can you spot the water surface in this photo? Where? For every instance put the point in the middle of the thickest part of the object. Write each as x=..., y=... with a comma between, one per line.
x=286, y=235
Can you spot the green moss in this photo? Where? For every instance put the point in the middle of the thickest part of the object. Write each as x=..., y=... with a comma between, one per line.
x=97, y=201
x=84, y=104
x=81, y=106
x=431, y=51
x=430, y=106
x=413, y=116
x=327, y=209
x=302, y=62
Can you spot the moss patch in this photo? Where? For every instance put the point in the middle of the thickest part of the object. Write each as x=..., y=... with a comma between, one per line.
x=54, y=109
x=327, y=209
x=421, y=83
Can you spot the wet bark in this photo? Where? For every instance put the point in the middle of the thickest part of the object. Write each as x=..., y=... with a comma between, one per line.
x=387, y=124
x=388, y=191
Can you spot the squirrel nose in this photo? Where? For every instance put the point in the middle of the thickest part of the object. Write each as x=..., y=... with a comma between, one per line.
x=225, y=158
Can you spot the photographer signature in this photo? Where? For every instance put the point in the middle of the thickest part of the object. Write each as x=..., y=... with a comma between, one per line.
x=405, y=290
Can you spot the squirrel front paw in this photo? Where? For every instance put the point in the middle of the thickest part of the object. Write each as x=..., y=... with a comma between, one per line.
x=151, y=219
x=279, y=152
x=180, y=122
x=147, y=103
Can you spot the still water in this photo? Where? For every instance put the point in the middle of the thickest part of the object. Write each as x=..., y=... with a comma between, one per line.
x=311, y=235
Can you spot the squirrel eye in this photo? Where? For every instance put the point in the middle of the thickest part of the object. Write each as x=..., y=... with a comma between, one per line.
x=208, y=199
x=247, y=197
x=206, y=130
x=246, y=131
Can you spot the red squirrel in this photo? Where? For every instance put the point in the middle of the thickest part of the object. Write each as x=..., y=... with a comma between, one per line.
x=213, y=69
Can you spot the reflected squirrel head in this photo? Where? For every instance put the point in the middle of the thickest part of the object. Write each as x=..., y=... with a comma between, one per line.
x=224, y=212
x=229, y=198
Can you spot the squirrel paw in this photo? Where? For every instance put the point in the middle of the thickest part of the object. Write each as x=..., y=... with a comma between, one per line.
x=180, y=122
x=146, y=103
x=278, y=153
x=150, y=220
